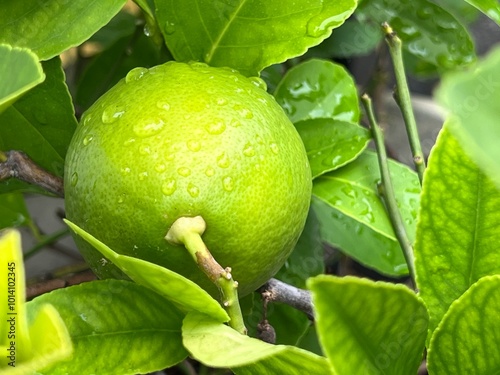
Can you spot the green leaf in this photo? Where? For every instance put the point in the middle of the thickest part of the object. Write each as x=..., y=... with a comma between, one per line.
x=474, y=319
x=137, y=330
x=458, y=228
x=107, y=68
x=183, y=292
x=489, y=7
x=368, y=327
x=247, y=36
x=460, y=9
x=306, y=259
x=14, y=211
x=25, y=348
x=41, y=123
x=428, y=31
x=331, y=144
x=354, y=218
x=318, y=89
x=353, y=38
x=49, y=27
x=472, y=98
x=216, y=345
x=19, y=72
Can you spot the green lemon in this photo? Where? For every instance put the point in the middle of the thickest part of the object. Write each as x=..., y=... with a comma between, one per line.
x=185, y=140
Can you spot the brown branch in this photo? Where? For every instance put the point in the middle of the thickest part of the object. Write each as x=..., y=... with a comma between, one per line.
x=278, y=291
x=18, y=165
x=46, y=286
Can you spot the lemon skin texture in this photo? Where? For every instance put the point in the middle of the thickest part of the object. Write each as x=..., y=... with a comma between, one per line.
x=185, y=140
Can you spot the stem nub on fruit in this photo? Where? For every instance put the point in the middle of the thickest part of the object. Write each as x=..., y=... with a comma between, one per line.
x=187, y=231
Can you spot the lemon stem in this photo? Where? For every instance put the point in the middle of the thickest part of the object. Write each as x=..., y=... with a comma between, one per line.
x=188, y=231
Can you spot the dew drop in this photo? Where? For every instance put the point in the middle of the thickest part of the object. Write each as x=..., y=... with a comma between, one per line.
x=147, y=30
x=149, y=128
x=74, y=179
x=162, y=104
x=235, y=123
x=193, y=190
x=193, y=145
x=216, y=127
x=135, y=74
x=227, y=183
x=87, y=139
x=125, y=171
x=274, y=148
x=184, y=171
x=209, y=171
x=129, y=142
x=121, y=198
x=169, y=186
x=259, y=82
x=248, y=150
x=112, y=113
x=221, y=101
x=160, y=168
x=223, y=160
x=41, y=117
x=169, y=28
x=144, y=150
x=86, y=119
x=143, y=175
x=198, y=65
x=243, y=111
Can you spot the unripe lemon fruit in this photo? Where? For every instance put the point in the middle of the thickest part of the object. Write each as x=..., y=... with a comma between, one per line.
x=186, y=140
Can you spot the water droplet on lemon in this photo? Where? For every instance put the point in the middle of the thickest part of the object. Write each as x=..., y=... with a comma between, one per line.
x=227, y=183
x=193, y=190
x=135, y=74
x=149, y=128
x=184, y=171
x=223, y=160
x=169, y=186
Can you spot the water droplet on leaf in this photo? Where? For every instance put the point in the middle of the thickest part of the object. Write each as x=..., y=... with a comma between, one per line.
x=169, y=28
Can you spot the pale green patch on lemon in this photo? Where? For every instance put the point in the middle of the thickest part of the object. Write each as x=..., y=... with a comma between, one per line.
x=186, y=140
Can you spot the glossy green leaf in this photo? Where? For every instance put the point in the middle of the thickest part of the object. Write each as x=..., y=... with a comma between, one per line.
x=23, y=347
x=460, y=9
x=306, y=259
x=458, y=229
x=49, y=27
x=465, y=341
x=41, y=123
x=330, y=143
x=117, y=327
x=183, y=292
x=489, y=7
x=368, y=327
x=472, y=98
x=19, y=72
x=247, y=35
x=428, y=31
x=217, y=345
x=353, y=38
x=14, y=211
x=318, y=89
x=354, y=218
x=121, y=25
x=111, y=65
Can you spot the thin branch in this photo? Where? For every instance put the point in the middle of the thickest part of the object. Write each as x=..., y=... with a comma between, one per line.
x=18, y=165
x=402, y=96
x=46, y=240
x=278, y=291
x=42, y=287
x=387, y=189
